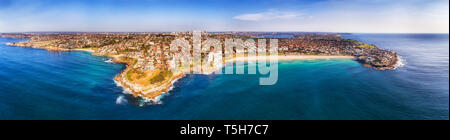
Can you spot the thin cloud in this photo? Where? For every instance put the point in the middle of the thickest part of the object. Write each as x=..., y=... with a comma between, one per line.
x=270, y=15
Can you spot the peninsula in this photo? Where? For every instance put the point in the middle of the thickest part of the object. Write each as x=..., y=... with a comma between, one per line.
x=149, y=58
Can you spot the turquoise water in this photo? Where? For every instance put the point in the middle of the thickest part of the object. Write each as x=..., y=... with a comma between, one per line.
x=38, y=84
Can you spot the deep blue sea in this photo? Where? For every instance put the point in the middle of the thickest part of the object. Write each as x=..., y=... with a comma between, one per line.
x=38, y=84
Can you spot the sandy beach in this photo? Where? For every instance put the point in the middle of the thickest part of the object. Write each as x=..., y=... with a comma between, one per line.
x=152, y=92
x=87, y=50
x=289, y=57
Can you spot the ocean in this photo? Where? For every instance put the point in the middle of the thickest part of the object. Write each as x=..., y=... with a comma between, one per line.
x=39, y=84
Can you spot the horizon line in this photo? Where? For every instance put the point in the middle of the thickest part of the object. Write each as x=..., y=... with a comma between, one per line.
x=224, y=32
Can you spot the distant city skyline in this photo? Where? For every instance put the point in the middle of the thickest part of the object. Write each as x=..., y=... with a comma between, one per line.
x=353, y=16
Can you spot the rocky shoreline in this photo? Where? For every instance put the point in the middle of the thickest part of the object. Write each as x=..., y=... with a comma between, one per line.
x=141, y=91
x=32, y=45
x=149, y=60
x=150, y=95
x=382, y=65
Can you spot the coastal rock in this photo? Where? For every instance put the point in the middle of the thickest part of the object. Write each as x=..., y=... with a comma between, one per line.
x=148, y=56
x=387, y=61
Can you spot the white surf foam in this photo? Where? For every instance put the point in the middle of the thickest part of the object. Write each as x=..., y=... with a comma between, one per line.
x=121, y=100
x=147, y=101
x=125, y=90
x=173, y=86
x=109, y=61
x=401, y=62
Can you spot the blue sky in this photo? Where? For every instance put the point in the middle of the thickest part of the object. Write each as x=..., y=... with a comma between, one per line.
x=368, y=16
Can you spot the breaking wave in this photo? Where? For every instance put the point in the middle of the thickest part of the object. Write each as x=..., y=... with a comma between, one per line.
x=144, y=101
x=109, y=61
x=400, y=62
x=121, y=100
x=125, y=89
x=157, y=100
